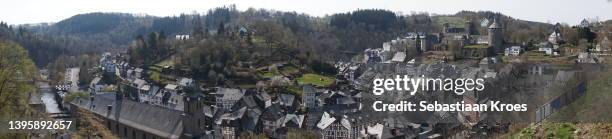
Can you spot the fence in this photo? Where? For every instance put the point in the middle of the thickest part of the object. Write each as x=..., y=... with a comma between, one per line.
x=559, y=102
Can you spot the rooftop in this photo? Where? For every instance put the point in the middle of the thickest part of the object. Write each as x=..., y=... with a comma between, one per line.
x=171, y=86
x=156, y=120
x=230, y=93
x=326, y=120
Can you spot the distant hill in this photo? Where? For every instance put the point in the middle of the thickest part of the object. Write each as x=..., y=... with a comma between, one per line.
x=120, y=28
x=352, y=32
x=117, y=28
x=93, y=23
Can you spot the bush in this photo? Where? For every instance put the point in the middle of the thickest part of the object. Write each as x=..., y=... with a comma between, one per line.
x=71, y=96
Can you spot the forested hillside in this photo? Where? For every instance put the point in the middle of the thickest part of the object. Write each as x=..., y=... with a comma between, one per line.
x=354, y=30
x=328, y=38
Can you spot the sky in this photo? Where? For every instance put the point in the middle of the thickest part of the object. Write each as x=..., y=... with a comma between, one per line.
x=549, y=11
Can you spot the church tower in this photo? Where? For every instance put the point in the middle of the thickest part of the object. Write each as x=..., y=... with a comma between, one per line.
x=193, y=116
x=496, y=37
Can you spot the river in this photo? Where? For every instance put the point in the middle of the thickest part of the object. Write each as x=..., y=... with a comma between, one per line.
x=48, y=98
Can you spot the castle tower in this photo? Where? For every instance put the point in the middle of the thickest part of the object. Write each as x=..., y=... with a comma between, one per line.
x=496, y=37
x=424, y=43
x=468, y=27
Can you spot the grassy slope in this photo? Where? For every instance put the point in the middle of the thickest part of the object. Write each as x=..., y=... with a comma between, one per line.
x=315, y=79
x=591, y=114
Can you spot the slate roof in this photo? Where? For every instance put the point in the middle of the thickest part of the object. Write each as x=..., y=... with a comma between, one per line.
x=376, y=130
x=139, y=82
x=252, y=118
x=357, y=95
x=249, y=101
x=296, y=119
x=153, y=90
x=273, y=112
x=159, y=121
x=230, y=93
x=138, y=70
x=346, y=123
x=399, y=57
x=326, y=94
x=345, y=100
x=263, y=96
x=145, y=87
x=308, y=89
x=286, y=100
x=171, y=87
x=231, y=116
x=325, y=121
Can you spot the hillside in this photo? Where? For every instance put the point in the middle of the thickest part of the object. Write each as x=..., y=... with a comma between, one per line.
x=587, y=117
x=330, y=38
x=117, y=28
x=121, y=28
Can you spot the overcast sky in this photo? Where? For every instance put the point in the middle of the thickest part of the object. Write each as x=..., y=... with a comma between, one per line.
x=567, y=11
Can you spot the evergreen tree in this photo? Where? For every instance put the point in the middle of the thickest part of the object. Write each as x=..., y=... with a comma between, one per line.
x=221, y=28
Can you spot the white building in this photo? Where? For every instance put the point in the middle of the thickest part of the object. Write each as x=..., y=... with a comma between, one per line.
x=227, y=97
x=107, y=63
x=546, y=47
x=555, y=39
x=513, y=51
x=584, y=23
x=182, y=37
